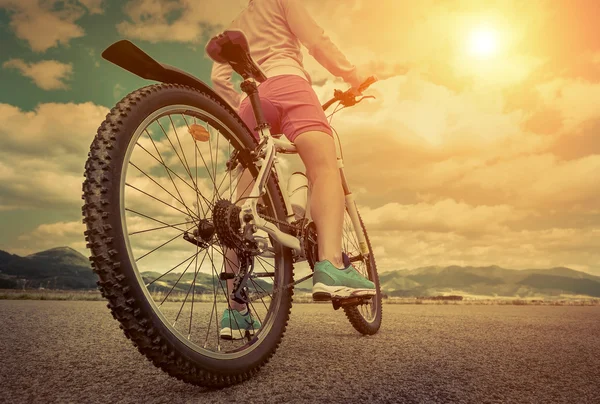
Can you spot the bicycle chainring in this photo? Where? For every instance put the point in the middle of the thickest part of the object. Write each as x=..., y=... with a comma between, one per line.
x=311, y=248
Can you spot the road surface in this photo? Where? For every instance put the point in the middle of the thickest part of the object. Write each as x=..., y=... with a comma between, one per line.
x=73, y=351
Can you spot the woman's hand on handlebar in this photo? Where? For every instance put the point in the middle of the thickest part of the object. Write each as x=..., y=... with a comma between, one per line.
x=348, y=98
x=366, y=84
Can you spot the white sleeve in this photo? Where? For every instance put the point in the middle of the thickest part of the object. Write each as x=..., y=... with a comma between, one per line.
x=221, y=78
x=319, y=45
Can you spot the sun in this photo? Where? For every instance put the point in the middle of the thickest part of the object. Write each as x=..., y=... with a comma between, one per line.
x=483, y=43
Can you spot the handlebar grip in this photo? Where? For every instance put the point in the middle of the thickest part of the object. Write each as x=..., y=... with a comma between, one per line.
x=370, y=80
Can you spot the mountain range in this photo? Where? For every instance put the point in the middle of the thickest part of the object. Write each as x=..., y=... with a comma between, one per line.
x=65, y=268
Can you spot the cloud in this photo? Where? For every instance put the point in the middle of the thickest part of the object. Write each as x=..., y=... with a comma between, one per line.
x=47, y=74
x=50, y=235
x=185, y=21
x=45, y=24
x=442, y=216
x=575, y=99
x=523, y=249
x=42, y=154
x=541, y=181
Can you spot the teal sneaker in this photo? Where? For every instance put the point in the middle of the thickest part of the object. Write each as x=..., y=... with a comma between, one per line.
x=234, y=324
x=330, y=282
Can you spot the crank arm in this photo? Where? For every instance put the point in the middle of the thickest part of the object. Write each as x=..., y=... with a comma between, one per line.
x=260, y=295
x=230, y=275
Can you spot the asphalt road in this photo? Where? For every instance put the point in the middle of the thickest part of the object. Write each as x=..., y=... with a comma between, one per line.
x=75, y=352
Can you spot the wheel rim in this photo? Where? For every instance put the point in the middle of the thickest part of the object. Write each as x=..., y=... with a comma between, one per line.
x=350, y=246
x=159, y=205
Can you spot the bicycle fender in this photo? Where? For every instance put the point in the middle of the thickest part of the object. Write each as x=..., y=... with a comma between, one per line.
x=131, y=58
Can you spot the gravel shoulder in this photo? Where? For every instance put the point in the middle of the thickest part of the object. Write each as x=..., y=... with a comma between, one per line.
x=73, y=351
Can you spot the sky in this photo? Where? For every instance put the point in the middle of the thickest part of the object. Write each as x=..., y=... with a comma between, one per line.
x=482, y=146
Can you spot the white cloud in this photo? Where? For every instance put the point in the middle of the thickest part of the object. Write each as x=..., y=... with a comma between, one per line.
x=541, y=181
x=42, y=153
x=576, y=99
x=176, y=20
x=571, y=247
x=442, y=216
x=47, y=74
x=50, y=235
x=46, y=24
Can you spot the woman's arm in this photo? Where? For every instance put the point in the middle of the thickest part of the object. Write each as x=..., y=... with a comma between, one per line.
x=319, y=45
x=222, y=84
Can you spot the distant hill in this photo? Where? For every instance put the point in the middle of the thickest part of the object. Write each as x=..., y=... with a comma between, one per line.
x=65, y=268
x=57, y=268
x=489, y=281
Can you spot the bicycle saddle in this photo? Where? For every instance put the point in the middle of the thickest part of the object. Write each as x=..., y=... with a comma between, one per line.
x=232, y=47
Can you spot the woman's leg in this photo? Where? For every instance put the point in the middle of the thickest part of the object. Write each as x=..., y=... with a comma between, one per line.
x=317, y=150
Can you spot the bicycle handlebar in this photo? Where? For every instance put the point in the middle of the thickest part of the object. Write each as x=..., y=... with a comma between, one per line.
x=348, y=97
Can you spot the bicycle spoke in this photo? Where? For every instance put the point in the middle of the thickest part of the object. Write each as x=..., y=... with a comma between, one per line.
x=268, y=294
x=190, y=288
x=193, y=292
x=178, y=279
x=153, y=180
x=161, y=201
x=185, y=165
x=203, y=160
x=226, y=294
x=266, y=268
x=176, y=266
x=170, y=170
x=156, y=220
x=250, y=183
x=162, y=245
x=164, y=165
x=212, y=162
x=216, y=164
x=158, y=228
x=230, y=185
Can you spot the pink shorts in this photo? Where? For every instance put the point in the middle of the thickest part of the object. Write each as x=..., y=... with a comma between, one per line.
x=290, y=105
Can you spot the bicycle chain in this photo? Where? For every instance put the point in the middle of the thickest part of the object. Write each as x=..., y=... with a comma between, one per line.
x=281, y=222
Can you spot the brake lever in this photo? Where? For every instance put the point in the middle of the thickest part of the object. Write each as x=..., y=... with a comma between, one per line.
x=366, y=96
x=354, y=100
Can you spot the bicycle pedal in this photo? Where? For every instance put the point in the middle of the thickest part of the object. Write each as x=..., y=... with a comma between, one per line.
x=350, y=301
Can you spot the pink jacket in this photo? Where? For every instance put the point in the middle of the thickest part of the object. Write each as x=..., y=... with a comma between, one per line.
x=275, y=29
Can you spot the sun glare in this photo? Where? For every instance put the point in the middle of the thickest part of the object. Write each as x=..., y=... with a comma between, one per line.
x=483, y=43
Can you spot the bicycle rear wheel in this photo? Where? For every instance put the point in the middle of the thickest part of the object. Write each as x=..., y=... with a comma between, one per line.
x=150, y=196
x=366, y=317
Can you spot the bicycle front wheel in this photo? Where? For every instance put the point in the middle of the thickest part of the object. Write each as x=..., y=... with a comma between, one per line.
x=366, y=317
x=159, y=179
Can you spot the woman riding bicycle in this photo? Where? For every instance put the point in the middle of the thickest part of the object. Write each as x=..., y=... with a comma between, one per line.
x=275, y=29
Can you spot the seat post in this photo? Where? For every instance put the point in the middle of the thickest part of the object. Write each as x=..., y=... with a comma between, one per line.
x=251, y=89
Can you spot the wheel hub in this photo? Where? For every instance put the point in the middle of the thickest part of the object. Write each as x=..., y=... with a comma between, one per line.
x=205, y=230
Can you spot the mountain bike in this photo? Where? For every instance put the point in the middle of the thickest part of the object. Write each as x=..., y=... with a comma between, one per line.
x=164, y=216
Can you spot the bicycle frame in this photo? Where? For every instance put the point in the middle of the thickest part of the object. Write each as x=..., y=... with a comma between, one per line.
x=268, y=164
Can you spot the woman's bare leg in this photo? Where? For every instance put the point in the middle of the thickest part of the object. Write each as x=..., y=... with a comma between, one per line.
x=317, y=150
